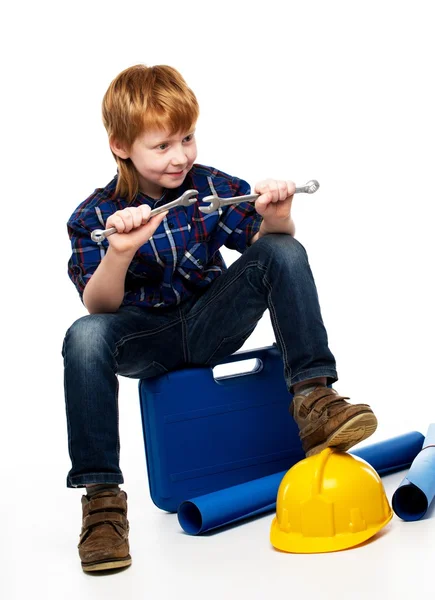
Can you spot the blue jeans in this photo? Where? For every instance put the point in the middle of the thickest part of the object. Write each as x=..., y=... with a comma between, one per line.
x=273, y=273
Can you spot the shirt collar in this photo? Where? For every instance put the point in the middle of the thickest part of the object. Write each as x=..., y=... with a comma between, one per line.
x=167, y=196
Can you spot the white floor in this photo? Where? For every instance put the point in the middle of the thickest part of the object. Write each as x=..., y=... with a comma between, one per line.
x=237, y=563
x=41, y=522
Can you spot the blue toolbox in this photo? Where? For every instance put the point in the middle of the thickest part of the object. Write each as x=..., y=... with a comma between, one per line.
x=204, y=434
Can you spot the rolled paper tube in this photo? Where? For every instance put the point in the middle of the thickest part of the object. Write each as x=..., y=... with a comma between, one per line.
x=414, y=495
x=258, y=496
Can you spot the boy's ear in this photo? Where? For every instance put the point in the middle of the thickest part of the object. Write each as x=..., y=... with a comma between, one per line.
x=118, y=148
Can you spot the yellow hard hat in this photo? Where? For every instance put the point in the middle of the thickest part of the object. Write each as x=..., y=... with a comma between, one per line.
x=327, y=502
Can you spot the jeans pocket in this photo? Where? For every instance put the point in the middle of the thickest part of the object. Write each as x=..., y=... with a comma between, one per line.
x=229, y=345
x=153, y=369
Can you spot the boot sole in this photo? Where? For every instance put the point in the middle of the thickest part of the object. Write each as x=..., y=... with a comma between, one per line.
x=107, y=565
x=349, y=434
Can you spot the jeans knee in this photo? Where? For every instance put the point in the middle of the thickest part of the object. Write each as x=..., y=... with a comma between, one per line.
x=282, y=248
x=87, y=335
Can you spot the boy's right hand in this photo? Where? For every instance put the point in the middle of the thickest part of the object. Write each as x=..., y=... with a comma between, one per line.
x=134, y=228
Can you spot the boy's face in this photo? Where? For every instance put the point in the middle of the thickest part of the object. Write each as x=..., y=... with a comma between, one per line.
x=162, y=160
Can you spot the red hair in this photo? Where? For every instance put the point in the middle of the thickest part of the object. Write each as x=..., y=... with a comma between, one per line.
x=142, y=98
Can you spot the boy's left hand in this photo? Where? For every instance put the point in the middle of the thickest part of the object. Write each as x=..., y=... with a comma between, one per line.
x=274, y=204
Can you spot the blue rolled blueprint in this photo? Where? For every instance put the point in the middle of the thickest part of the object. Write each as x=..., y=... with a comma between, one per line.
x=414, y=495
x=258, y=496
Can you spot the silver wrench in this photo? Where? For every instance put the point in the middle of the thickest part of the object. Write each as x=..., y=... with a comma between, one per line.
x=215, y=202
x=186, y=199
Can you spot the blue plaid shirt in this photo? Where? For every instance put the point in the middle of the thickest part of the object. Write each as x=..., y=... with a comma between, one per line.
x=183, y=255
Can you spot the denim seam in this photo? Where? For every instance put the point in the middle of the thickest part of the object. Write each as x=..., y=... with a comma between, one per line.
x=118, y=441
x=185, y=345
x=78, y=479
x=313, y=373
x=253, y=263
x=293, y=376
x=224, y=289
x=226, y=339
x=276, y=324
x=67, y=405
x=133, y=336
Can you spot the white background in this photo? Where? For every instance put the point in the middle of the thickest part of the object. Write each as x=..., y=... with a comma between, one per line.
x=338, y=91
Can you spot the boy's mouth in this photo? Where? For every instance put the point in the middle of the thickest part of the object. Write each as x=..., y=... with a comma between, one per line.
x=176, y=173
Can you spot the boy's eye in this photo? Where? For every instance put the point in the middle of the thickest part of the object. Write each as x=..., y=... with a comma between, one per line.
x=188, y=138
x=163, y=146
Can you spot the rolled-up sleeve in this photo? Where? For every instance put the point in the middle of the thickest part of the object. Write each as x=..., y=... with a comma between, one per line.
x=86, y=254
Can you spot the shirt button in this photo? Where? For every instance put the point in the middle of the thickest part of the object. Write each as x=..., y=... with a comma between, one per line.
x=171, y=225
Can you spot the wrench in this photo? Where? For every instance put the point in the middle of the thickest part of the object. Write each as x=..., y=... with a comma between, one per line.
x=215, y=202
x=186, y=199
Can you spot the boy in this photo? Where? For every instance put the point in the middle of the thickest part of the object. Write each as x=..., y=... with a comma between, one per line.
x=160, y=296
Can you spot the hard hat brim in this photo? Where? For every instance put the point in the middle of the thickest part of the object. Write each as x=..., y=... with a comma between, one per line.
x=296, y=543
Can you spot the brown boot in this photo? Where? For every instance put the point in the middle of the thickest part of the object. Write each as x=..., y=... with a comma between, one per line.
x=104, y=536
x=325, y=420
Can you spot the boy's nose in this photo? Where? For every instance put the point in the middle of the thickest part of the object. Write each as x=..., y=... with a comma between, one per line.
x=179, y=157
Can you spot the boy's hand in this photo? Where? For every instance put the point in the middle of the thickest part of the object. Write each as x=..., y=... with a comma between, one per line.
x=274, y=205
x=134, y=228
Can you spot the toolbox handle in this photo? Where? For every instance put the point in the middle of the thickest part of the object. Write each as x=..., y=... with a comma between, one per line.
x=262, y=355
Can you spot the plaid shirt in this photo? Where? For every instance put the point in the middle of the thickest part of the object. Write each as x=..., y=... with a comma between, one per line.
x=183, y=255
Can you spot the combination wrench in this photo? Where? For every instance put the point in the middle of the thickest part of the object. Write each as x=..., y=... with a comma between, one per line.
x=215, y=202
x=189, y=197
